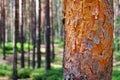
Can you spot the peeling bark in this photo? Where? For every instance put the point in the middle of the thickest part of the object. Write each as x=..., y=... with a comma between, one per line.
x=89, y=39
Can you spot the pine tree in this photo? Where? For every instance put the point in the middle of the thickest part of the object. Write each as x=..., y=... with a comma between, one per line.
x=89, y=39
x=47, y=35
x=15, y=40
x=38, y=17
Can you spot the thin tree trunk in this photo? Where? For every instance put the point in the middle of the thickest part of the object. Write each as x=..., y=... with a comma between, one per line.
x=22, y=32
x=52, y=30
x=47, y=35
x=29, y=37
x=89, y=39
x=38, y=35
x=29, y=49
x=6, y=21
x=34, y=32
x=15, y=39
x=3, y=28
x=0, y=22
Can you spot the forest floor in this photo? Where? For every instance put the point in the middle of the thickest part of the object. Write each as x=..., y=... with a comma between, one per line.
x=58, y=61
x=9, y=57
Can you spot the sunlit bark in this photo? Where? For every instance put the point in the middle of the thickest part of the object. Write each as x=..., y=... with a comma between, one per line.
x=89, y=39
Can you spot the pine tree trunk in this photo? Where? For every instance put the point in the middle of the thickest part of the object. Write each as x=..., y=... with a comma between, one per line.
x=38, y=17
x=0, y=21
x=34, y=32
x=47, y=35
x=22, y=34
x=15, y=40
x=3, y=28
x=52, y=30
x=89, y=39
x=29, y=34
x=29, y=49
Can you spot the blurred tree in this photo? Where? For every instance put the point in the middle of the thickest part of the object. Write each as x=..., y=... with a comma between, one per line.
x=0, y=21
x=15, y=40
x=22, y=33
x=117, y=8
x=3, y=28
x=89, y=39
x=38, y=24
x=29, y=33
x=52, y=30
x=33, y=31
x=47, y=35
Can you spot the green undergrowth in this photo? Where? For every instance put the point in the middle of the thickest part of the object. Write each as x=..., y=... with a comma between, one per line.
x=60, y=42
x=117, y=55
x=33, y=74
x=116, y=75
x=9, y=47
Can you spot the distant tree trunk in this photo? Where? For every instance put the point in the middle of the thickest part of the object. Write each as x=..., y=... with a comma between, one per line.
x=15, y=39
x=47, y=35
x=117, y=8
x=29, y=36
x=29, y=49
x=17, y=29
x=3, y=28
x=89, y=39
x=38, y=17
x=34, y=31
x=52, y=30
x=22, y=36
x=0, y=21
x=6, y=21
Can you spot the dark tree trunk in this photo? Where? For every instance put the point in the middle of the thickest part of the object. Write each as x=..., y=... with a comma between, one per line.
x=47, y=35
x=22, y=35
x=52, y=30
x=29, y=36
x=3, y=28
x=0, y=22
x=34, y=32
x=15, y=39
x=38, y=35
x=29, y=49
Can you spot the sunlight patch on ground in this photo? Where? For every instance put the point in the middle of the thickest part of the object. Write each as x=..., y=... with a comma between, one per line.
x=43, y=50
x=56, y=65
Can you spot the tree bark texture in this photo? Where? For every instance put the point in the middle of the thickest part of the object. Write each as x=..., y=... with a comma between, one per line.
x=3, y=28
x=15, y=40
x=52, y=30
x=89, y=39
x=38, y=17
x=47, y=35
x=22, y=34
x=34, y=32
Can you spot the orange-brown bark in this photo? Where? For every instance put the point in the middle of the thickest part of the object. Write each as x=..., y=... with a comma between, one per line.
x=89, y=39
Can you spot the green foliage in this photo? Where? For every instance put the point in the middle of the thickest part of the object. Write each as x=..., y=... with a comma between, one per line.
x=24, y=73
x=60, y=42
x=117, y=44
x=117, y=56
x=53, y=74
x=117, y=22
x=5, y=70
x=9, y=47
x=0, y=50
x=25, y=47
x=5, y=73
x=5, y=67
x=116, y=75
x=37, y=74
